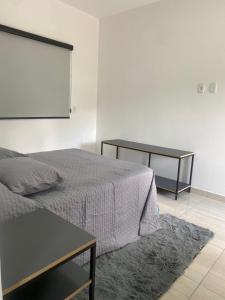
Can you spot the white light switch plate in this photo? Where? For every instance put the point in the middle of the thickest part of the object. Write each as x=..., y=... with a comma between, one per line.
x=201, y=88
x=213, y=87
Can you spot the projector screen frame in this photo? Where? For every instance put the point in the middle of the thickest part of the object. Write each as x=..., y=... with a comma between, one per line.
x=42, y=39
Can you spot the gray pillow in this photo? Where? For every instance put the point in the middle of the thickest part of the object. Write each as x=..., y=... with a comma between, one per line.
x=25, y=176
x=6, y=153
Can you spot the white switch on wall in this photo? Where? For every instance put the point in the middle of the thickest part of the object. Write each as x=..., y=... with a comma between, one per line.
x=201, y=88
x=213, y=87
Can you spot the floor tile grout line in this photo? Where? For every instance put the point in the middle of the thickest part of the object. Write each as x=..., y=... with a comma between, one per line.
x=199, y=284
x=216, y=245
x=182, y=211
x=196, y=211
x=206, y=275
x=204, y=214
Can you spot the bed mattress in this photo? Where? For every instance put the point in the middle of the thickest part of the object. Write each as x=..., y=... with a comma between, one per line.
x=114, y=200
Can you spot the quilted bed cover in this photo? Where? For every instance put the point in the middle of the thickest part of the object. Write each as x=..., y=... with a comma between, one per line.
x=114, y=200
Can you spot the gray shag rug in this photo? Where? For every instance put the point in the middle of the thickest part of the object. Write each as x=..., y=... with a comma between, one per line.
x=146, y=269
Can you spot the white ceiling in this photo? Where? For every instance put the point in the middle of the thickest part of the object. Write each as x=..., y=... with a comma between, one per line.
x=103, y=8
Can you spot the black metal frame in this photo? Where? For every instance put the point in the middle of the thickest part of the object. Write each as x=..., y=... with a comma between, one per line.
x=188, y=188
x=177, y=191
x=92, y=249
x=35, y=37
x=92, y=272
x=33, y=118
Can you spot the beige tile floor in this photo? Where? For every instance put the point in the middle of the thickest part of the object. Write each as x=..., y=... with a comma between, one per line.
x=205, y=277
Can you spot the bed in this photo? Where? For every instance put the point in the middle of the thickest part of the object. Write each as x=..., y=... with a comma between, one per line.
x=116, y=201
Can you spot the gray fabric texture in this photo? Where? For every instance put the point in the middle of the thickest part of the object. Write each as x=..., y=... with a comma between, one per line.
x=6, y=153
x=146, y=269
x=25, y=176
x=13, y=205
x=113, y=200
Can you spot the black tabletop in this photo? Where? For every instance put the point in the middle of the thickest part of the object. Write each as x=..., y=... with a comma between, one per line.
x=149, y=148
x=36, y=242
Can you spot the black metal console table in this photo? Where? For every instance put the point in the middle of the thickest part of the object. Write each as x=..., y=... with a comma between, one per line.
x=37, y=251
x=170, y=185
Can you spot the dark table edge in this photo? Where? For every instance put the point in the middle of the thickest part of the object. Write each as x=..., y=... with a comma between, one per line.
x=52, y=265
x=155, y=153
x=49, y=267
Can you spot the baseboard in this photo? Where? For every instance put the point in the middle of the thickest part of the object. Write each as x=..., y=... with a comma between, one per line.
x=208, y=194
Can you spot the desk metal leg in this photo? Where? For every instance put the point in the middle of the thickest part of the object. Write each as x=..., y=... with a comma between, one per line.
x=191, y=172
x=102, y=148
x=92, y=273
x=117, y=152
x=178, y=179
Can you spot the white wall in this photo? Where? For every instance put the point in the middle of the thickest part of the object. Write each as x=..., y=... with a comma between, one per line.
x=151, y=60
x=53, y=19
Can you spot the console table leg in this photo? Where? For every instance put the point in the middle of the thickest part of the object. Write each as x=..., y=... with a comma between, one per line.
x=117, y=152
x=191, y=172
x=149, y=160
x=92, y=273
x=178, y=179
x=102, y=148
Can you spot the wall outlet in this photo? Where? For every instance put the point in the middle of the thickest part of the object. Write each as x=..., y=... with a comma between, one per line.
x=213, y=87
x=201, y=88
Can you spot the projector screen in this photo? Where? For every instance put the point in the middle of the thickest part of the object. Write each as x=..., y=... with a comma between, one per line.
x=35, y=76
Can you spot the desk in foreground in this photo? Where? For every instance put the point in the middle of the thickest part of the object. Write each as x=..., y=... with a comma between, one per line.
x=36, y=253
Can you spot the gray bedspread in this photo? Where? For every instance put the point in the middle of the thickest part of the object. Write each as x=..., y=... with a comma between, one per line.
x=13, y=205
x=114, y=200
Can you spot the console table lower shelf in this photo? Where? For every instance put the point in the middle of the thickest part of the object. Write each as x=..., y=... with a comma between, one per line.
x=170, y=185
x=65, y=282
